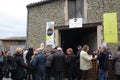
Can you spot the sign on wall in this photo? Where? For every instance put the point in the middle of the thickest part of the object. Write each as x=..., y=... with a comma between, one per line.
x=110, y=28
x=75, y=23
x=50, y=33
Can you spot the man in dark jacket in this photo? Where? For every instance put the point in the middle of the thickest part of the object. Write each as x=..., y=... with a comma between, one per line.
x=58, y=64
x=103, y=63
x=78, y=71
x=39, y=63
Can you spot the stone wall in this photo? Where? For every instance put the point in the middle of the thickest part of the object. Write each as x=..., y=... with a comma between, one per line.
x=55, y=11
x=7, y=44
x=96, y=9
x=37, y=18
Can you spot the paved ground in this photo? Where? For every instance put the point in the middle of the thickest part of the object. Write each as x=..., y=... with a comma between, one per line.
x=7, y=79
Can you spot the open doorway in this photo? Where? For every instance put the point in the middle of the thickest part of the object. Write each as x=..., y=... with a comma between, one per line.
x=71, y=38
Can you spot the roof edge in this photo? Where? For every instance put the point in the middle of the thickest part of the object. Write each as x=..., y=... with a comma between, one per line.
x=13, y=38
x=39, y=3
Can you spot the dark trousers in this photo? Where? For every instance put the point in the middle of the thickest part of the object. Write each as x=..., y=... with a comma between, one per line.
x=118, y=77
x=40, y=75
x=28, y=74
x=71, y=76
x=78, y=72
x=1, y=76
x=48, y=72
x=84, y=74
x=102, y=74
x=71, y=73
x=33, y=75
x=58, y=75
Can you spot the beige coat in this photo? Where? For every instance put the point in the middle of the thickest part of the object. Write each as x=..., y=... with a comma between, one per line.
x=85, y=61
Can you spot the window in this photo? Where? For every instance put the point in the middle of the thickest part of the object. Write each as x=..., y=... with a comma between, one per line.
x=75, y=8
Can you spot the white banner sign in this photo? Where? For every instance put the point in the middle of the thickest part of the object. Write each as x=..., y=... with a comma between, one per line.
x=75, y=23
x=50, y=33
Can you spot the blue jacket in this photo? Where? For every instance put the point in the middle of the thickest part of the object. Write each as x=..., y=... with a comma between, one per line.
x=39, y=62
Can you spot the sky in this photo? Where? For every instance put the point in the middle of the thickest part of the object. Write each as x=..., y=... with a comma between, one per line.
x=13, y=18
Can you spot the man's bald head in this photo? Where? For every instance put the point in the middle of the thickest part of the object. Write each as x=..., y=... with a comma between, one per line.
x=101, y=48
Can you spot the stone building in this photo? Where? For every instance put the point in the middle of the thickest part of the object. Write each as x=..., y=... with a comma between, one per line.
x=12, y=43
x=60, y=11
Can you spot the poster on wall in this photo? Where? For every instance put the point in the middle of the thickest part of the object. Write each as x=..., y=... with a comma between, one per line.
x=50, y=33
x=110, y=28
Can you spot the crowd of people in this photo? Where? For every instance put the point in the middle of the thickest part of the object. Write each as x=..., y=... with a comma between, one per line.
x=41, y=64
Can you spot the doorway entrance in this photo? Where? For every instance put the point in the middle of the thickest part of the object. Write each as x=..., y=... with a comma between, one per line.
x=71, y=38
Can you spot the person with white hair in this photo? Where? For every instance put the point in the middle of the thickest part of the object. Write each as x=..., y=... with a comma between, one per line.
x=58, y=64
x=103, y=63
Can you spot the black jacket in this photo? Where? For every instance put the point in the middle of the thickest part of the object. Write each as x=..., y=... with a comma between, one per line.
x=20, y=73
x=103, y=61
x=71, y=64
x=58, y=61
x=78, y=57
